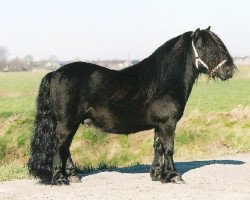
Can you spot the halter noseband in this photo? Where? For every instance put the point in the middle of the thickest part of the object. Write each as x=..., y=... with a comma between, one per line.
x=198, y=60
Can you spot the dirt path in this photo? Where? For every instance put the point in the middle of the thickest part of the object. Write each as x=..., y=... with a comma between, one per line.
x=222, y=178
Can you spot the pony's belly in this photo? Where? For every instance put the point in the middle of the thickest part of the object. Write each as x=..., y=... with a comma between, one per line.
x=113, y=120
x=117, y=125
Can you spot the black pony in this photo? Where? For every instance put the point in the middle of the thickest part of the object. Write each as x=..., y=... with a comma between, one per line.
x=149, y=95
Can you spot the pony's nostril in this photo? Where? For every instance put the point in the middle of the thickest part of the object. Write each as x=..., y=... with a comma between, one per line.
x=230, y=75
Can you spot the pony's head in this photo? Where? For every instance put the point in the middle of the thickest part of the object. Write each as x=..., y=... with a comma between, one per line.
x=211, y=55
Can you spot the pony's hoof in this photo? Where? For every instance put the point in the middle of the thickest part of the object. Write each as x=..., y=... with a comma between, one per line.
x=172, y=177
x=60, y=182
x=156, y=173
x=74, y=179
x=177, y=180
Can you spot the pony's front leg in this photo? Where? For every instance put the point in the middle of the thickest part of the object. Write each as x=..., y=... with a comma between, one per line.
x=168, y=171
x=158, y=162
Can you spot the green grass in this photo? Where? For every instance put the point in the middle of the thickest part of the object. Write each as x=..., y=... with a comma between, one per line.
x=18, y=92
x=213, y=134
x=219, y=96
x=216, y=122
x=94, y=136
x=15, y=140
x=12, y=171
x=102, y=165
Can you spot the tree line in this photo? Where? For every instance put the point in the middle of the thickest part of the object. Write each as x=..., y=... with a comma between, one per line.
x=17, y=64
x=27, y=63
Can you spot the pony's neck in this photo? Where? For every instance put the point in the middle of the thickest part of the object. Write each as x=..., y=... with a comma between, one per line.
x=176, y=73
x=169, y=70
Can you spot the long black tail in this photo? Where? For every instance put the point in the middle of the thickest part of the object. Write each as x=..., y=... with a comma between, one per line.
x=43, y=141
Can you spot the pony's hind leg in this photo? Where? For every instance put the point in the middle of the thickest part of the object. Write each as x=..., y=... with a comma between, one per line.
x=71, y=171
x=62, y=163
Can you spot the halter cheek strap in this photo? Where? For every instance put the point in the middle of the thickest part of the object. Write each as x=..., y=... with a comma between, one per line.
x=198, y=60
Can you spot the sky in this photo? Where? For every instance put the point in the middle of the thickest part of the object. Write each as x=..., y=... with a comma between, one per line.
x=116, y=29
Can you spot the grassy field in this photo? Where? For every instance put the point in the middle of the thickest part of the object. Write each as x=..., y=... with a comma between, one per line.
x=216, y=122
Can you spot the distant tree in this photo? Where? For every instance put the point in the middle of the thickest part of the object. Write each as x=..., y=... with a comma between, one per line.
x=52, y=63
x=52, y=58
x=29, y=62
x=4, y=53
x=17, y=65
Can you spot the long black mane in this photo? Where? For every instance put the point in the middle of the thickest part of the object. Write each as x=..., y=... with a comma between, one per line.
x=153, y=76
x=166, y=69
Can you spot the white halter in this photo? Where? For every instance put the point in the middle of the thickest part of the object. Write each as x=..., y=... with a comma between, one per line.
x=198, y=59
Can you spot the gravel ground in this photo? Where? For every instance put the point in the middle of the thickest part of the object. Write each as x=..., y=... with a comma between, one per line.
x=220, y=178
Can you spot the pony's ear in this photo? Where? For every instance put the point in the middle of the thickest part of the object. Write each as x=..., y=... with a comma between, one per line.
x=196, y=37
x=208, y=28
x=196, y=33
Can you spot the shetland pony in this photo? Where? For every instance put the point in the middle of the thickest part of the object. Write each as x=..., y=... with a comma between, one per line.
x=149, y=95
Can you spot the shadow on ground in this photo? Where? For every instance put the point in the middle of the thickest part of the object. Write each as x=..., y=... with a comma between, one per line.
x=182, y=167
